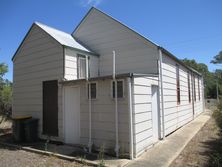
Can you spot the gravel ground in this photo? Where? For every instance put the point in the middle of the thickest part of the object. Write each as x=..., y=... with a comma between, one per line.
x=203, y=150
x=10, y=157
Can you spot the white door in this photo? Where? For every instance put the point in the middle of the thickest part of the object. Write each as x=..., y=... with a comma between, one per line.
x=72, y=115
x=155, y=114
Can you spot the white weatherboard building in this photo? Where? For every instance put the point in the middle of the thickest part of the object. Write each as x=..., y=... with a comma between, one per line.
x=54, y=71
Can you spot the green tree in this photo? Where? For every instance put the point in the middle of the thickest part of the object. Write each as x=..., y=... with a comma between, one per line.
x=217, y=59
x=3, y=71
x=209, y=77
x=5, y=91
x=6, y=99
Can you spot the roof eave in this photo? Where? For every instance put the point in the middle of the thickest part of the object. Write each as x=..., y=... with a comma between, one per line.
x=13, y=57
x=77, y=27
x=80, y=50
x=178, y=60
x=118, y=76
x=93, y=8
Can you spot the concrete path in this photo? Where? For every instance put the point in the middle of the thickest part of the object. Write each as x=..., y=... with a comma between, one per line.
x=163, y=153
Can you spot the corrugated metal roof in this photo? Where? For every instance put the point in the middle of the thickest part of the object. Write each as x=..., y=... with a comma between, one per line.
x=62, y=37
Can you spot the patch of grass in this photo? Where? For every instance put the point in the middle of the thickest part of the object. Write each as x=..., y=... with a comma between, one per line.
x=101, y=157
x=219, y=105
x=46, y=144
x=217, y=115
x=216, y=157
x=83, y=160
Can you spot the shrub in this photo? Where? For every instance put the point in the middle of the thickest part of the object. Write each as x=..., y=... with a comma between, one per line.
x=6, y=100
x=217, y=115
x=101, y=157
x=216, y=160
x=219, y=105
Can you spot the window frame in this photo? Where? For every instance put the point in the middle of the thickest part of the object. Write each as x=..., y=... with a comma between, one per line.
x=194, y=87
x=87, y=88
x=178, y=84
x=188, y=82
x=80, y=56
x=122, y=80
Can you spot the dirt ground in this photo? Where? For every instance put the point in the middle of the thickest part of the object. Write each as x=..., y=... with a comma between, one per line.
x=10, y=157
x=204, y=150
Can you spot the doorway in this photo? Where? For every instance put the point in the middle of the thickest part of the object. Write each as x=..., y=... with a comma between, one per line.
x=50, y=107
x=71, y=115
x=155, y=113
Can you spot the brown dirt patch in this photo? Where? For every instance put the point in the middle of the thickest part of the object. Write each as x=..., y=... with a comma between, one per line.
x=204, y=150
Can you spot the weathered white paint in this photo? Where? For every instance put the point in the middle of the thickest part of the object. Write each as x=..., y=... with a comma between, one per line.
x=71, y=64
x=155, y=113
x=40, y=58
x=142, y=105
x=103, y=35
x=103, y=117
x=176, y=115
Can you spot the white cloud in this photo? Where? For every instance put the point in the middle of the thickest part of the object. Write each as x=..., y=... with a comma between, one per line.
x=86, y=3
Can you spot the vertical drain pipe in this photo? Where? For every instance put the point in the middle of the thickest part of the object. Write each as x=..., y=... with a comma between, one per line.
x=90, y=106
x=116, y=106
x=161, y=84
x=130, y=117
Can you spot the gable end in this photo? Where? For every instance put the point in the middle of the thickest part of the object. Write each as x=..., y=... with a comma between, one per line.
x=27, y=35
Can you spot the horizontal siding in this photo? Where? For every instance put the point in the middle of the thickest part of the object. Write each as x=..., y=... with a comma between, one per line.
x=103, y=117
x=176, y=115
x=142, y=114
x=40, y=58
x=104, y=35
x=71, y=64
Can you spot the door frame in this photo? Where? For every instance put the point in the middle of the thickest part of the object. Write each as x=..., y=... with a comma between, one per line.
x=158, y=112
x=63, y=108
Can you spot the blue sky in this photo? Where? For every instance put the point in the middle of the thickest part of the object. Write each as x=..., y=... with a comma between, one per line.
x=188, y=28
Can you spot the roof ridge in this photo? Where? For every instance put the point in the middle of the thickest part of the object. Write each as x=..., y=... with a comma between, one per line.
x=42, y=24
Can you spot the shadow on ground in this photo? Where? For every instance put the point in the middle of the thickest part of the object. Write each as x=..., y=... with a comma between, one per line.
x=214, y=152
x=2, y=147
x=213, y=146
x=54, y=147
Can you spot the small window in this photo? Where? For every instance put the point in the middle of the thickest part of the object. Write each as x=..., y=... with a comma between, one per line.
x=178, y=83
x=93, y=91
x=119, y=89
x=81, y=66
x=188, y=82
